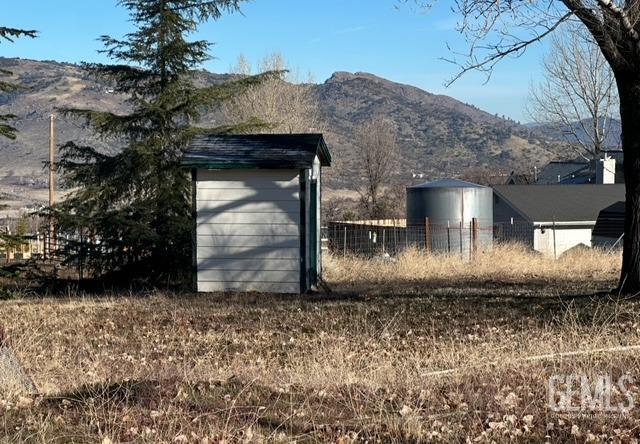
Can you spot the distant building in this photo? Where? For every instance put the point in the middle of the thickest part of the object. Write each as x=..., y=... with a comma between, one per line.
x=564, y=172
x=607, y=169
x=29, y=247
x=519, y=179
x=553, y=218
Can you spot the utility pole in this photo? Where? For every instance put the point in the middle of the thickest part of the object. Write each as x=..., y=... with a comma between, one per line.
x=52, y=182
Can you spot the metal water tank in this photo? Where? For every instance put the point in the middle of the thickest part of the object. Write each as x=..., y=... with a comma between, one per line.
x=455, y=216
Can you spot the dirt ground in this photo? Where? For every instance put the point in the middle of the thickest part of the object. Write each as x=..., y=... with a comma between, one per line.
x=417, y=361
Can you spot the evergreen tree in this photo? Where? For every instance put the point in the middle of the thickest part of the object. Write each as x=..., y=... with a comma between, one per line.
x=6, y=129
x=134, y=206
x=9, y=35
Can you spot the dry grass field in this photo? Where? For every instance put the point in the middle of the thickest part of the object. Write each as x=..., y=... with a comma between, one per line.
x=424, y=349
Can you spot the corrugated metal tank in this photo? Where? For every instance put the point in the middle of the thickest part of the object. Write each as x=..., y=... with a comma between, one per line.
x=451, y=206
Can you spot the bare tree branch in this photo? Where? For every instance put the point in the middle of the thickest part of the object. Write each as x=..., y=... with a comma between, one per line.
x=378, y=157
x=500, y=50
x=624, y=19
x=578, y=97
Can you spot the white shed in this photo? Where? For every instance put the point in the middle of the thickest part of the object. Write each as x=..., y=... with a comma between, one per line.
x=553, y=218
x=256, y=211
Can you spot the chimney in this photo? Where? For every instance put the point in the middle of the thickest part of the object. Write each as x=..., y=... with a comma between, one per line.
x=606, y=170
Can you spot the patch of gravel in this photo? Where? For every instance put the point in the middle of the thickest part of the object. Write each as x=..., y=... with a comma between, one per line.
x=13, y=378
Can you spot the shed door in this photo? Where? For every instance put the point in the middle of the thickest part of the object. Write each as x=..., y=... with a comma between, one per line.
x=248, y=230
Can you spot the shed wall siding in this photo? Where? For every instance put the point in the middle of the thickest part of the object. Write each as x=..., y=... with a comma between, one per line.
x=317, y=171
x=248, y=230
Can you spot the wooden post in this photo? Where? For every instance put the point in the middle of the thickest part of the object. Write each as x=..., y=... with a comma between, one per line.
x=460, y=231
x=81, y=258
x=474, y=236
x=427, y=235
x=52, y=182
x=395, y=238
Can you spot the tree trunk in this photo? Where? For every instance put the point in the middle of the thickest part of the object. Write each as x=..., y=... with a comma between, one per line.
x=629, y=89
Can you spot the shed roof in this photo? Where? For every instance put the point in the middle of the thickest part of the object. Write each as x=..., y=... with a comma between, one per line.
x=273, y=151
x=562, y=203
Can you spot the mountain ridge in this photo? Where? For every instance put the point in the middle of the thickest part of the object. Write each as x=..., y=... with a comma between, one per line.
x=438, y=135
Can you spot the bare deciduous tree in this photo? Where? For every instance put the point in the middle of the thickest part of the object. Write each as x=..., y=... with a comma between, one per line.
x=378, y=158
x=482, y=175
x=285, y=104
x=499, y=29
x=578, y=96
x=242, y=66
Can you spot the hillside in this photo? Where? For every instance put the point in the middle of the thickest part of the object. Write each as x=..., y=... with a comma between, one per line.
x=438, y=135
x=569, y=133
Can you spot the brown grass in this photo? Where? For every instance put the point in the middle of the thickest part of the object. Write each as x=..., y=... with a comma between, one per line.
x=505, y=264
x=358, y=365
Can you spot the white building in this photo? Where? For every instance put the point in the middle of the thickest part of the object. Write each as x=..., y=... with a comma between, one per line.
x=553, y=218
x=256, y=204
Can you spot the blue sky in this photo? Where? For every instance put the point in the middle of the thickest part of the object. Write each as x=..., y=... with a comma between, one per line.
x=383, y=37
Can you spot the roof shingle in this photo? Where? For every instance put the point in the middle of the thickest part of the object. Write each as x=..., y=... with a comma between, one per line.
x=256, y=151
x=562, y=203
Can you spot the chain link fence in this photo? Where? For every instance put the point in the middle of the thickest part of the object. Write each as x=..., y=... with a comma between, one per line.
x=375, y=238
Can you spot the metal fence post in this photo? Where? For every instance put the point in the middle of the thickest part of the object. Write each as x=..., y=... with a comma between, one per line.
x=427, y=234
x=384, y=235
x=344, y=242
x=406, y=237
x=555, y=249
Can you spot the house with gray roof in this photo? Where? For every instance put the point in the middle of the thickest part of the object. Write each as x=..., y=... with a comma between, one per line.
x=581, y=171
x=553, y=218
x=564, y=172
